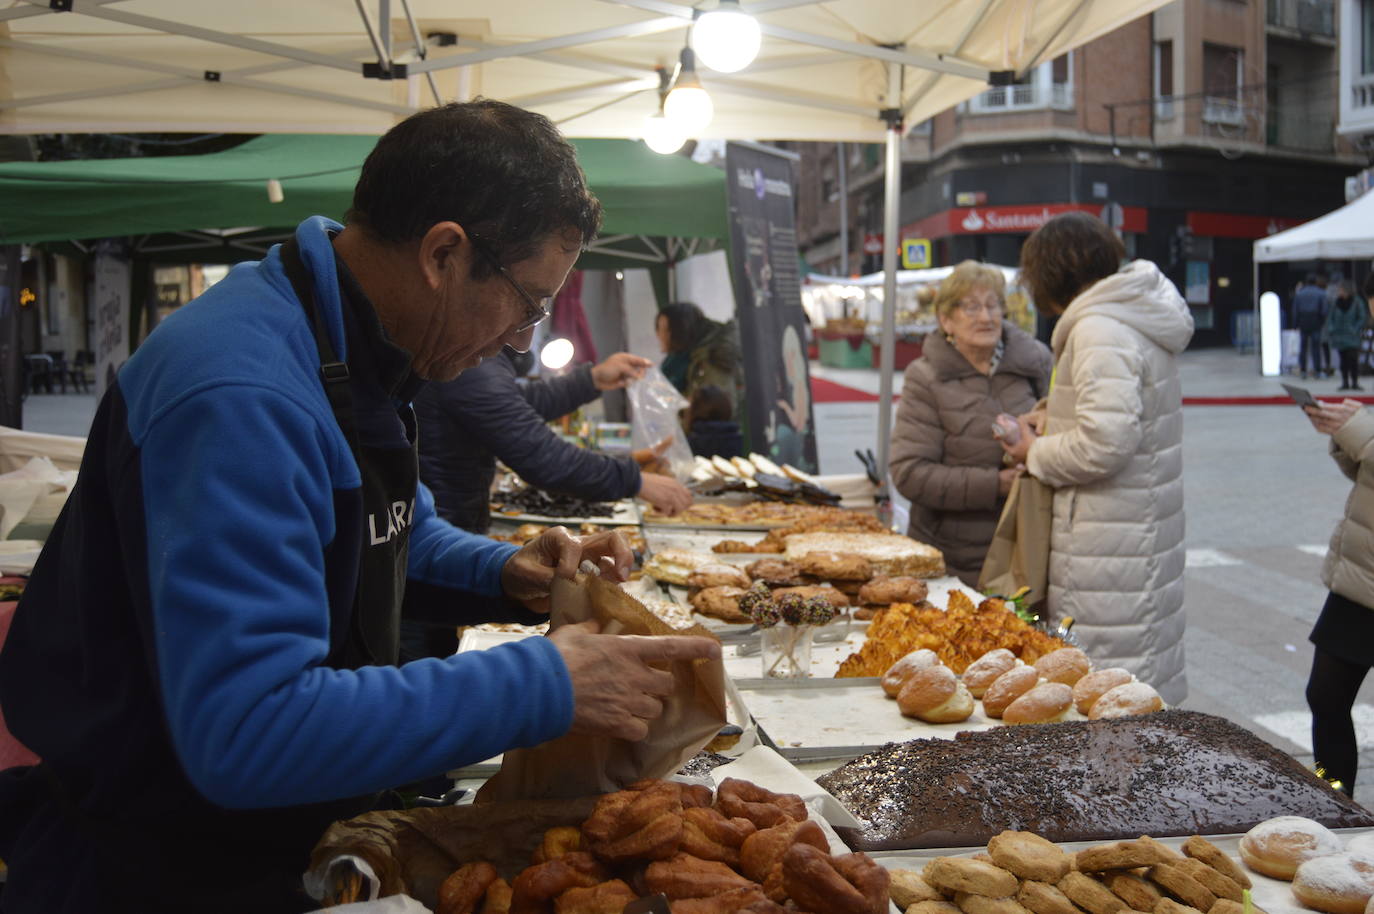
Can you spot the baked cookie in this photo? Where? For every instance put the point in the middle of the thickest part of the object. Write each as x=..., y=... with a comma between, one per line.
x=885, y=589
x=835, y=566
x=934, y=907
x=1169, y=906
x=1172, y=878
x=1130, y=888
x=906, y=888
x=1029, y=856
x=1123, y=855
x=1227, y=906
x=719, y=603
x=1043, y=898
x=962, y=874
x=1199, y=848
x=1089, y=894
x=982, y=904
x=718, y=575
x=774, y=572
x=1214, y=882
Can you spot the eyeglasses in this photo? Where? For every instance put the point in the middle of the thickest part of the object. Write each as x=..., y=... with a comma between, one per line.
x=535, y=309
x=973, y=308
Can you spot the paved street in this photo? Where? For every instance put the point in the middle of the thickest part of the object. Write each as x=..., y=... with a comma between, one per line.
x=1262, y=498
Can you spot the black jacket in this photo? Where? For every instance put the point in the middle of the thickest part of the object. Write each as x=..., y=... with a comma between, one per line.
x=484, y=415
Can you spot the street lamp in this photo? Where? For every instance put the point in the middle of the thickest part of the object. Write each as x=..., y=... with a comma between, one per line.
x=688, y=105
x=726, y=38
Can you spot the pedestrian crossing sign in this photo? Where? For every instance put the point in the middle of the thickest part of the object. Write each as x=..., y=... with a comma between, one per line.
x=915, y=253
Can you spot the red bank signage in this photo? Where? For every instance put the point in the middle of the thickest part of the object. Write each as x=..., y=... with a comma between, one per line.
x=1020, y=220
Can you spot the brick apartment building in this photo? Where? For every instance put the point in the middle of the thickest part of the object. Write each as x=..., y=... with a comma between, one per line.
x=1195, y=130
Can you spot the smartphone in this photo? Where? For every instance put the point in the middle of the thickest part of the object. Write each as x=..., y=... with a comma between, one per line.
x=1301, y=396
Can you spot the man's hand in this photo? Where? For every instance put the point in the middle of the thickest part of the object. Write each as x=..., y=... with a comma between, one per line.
x=1329, y=417
x=615, y=690
x=619, y=370
x=529, y=573
x=666, y=494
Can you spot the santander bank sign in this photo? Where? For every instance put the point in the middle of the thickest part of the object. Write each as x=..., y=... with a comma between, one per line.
x=1020, y=220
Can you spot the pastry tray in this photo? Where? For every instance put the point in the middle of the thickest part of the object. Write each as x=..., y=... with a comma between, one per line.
x=1270, y=895
x=626, y=514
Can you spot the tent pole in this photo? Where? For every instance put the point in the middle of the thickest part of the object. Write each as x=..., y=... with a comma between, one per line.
x=1255, y=297
x=892, y=193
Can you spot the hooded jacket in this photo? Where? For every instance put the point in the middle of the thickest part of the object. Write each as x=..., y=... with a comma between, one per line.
x=944, y=457
x=1349, y=566
x=1113, y=451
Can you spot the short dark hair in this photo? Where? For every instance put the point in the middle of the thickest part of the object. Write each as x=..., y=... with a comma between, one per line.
x=1310, y=279
x=503, y=173
x=684, y=323
x=1065, y=256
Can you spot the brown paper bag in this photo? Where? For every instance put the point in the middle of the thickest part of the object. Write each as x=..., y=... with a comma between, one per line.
x=1020, y=552
x=575, y=765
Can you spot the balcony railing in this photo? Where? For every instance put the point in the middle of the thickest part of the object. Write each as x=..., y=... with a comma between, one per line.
x=1311, y=17
x=1026, y=97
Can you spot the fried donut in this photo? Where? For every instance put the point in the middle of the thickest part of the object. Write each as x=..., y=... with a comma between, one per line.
x=1138, y=894
x=1277, y=847
x=1043, y=898
x=558, y=841
x=1125, y=700
x=740, y=799
x=1211, y=880
x=964, y=874
x=636, y=824
x=1029, y=856
x=1337, y=884
x=685, y=876
x=847, y=884
x=465, y=887
x=1008, y=687
x=982, y=672
x=1044, y=702
x=603, y=898
x=736, y=901
x=1066, y=665
x=498, y=898
x=906, y=887
x=897, y=674
x=1172, y=878
x=1123, y=855
x=1199, y=848
x=709, y=835
x=1092, y=686
x=935, y=695
x=1089, y=894
x=763, y=851
x=538, y=885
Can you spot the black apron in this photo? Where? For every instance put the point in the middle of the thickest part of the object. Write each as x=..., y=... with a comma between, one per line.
x=257, y=856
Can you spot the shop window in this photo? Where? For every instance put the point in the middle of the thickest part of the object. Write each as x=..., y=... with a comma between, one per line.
x=1164, y=79
x=1223, y=77
x=1050, y=85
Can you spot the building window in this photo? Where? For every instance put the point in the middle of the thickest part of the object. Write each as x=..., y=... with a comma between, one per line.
x=1164, y=79
x=1223, y=77
x=1050, y=85
x=1365, y=10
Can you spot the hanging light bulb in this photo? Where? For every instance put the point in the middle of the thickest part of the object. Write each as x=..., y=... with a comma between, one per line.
x=556, y=353
x=688, y=105
x=726, y=38
x=274, y=191
x=662, y=135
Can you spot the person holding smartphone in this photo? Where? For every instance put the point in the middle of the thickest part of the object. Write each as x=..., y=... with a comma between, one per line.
x=1343, y=637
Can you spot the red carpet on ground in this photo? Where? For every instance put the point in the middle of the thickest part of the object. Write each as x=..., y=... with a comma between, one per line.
x=823, y=391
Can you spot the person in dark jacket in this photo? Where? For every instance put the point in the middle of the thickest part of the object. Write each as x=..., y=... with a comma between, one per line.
x=1345, y=324
x=698, y=351
x=204, y=657
x=1309, y=316
x=711, y=429
x=484, y=415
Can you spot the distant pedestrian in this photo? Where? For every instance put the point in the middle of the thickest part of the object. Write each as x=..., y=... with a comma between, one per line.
x=1110, y=443
x=1345, y=323
x=1309, y=315
x=1344, y=633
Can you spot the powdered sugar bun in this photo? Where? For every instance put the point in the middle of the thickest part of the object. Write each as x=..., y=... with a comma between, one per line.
x=1008, y=687
x=1066, y=665
x=1276, y=847
x=1125, y=700
x=936, y=695
x=982, y=672
x=1362, y=845
x=1094, y=685
x=1337, y=883
x=1045, y=702
x=897, y=674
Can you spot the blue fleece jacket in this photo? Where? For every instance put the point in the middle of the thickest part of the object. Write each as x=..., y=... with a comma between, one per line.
x=189, y=592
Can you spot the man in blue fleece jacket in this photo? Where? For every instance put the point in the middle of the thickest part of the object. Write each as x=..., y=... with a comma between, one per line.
x=205, y=656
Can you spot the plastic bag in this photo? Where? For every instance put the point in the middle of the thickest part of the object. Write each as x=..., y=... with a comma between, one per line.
x=654, y=407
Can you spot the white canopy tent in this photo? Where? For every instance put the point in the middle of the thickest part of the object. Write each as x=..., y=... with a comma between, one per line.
x=852, y=70
x=1343, y=234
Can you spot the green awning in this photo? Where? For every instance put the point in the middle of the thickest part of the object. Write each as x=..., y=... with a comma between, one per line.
x=657, y=208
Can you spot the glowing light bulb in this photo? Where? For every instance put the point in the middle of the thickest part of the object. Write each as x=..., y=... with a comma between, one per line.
x=689, y=108
x=727, y=38
x=662, y=135
x=556, y=353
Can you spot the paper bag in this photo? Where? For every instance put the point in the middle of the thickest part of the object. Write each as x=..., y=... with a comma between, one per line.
x=1020, y=552
x=576, y=765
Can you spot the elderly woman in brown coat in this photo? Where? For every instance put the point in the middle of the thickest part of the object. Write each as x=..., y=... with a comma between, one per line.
x=944, y=456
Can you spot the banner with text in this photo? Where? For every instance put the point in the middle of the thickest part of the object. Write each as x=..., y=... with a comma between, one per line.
x=772, y=324
x=112, y=295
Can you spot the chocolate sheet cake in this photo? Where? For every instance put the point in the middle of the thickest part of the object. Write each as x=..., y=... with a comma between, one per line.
x=1170, y=773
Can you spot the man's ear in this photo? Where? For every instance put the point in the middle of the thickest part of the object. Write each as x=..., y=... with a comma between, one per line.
x=444, y=248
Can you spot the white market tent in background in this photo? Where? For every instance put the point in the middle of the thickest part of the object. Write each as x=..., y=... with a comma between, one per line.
x=852, y=70
x=1343, y=234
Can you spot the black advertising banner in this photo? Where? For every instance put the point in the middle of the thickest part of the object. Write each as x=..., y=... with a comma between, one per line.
x=772, y=324
x=11, y=360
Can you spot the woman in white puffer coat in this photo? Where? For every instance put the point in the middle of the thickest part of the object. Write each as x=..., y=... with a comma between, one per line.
x=1110, y=442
